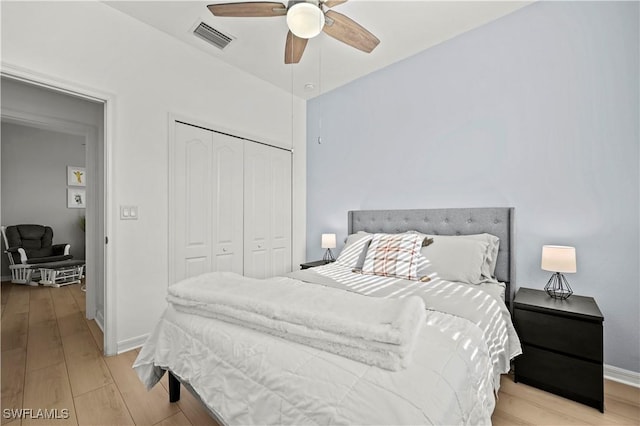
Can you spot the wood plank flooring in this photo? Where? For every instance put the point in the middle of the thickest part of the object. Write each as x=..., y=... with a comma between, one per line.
x=52, y=358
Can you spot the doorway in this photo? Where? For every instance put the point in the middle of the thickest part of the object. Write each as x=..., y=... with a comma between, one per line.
x=36, y=110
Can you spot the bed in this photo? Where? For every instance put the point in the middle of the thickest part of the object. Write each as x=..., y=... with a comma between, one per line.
x=244, y=376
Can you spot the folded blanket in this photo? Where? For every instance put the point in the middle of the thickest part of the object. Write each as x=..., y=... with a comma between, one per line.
x=375, y=331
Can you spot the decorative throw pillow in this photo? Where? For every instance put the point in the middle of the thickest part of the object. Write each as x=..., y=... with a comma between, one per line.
x=354, y=251
x=427, y=239
x=394, y=255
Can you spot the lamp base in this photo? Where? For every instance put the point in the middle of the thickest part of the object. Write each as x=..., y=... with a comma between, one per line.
x=558, y=287
x=328, y=256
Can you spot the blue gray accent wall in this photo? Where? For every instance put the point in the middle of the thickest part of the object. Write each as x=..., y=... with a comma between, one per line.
x=538, y=110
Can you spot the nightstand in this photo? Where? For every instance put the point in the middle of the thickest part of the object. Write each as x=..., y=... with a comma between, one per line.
x=315, y=263
x=561, y=345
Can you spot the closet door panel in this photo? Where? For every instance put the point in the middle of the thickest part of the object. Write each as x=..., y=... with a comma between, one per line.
x=227, y=187
x=192, y=202
x=267, y=211
x=281, y=261
x=281, y=211
x=196, y=266
x=257, y=205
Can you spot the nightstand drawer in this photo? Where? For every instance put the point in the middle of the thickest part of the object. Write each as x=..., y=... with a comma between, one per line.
x=570, y=336
x=573, y=378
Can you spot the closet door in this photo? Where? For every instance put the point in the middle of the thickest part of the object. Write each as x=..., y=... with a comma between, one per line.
x=191, y=201
x=228, y=202
x=267, y=211
x=280, y=211
x=207, y=202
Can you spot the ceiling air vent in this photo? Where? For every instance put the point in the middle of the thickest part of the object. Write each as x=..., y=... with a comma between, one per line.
x=212, y=35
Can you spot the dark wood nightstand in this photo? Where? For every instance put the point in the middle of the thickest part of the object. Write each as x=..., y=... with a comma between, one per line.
x=561, y=345
x=315, y=263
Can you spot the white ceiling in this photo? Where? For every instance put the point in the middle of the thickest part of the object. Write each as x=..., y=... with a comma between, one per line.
x=403, y=27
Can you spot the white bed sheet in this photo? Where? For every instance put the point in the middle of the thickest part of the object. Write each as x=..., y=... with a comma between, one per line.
x=482, y=304
x=247, y=377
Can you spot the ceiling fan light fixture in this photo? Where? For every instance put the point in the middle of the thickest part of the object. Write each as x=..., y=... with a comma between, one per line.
x=305, y=20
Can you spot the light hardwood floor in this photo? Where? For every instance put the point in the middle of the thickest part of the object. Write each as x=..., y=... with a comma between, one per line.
x=52, y=358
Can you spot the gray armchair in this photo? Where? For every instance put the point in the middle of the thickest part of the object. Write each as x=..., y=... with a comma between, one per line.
x=28, y=245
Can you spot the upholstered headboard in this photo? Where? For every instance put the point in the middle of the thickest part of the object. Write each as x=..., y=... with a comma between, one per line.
x=498, y=221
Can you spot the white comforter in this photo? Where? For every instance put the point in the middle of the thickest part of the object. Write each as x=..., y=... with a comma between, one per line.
x=373, y=330
x=248, y=377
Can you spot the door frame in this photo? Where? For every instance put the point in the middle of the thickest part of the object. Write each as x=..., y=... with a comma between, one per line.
x=102, y=228
x=89, y=133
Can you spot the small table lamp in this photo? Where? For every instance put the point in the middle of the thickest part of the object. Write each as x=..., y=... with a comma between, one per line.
x=558, y=259
x=328, y=242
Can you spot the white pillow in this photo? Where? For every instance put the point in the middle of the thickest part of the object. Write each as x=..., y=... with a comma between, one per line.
x=394, y=255
x=354, y=251
x=491, y=256
x=456, y=259
x=489, y=267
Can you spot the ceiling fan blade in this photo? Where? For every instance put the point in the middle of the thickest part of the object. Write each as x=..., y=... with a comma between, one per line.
x=349, y=31
x=333, y=3
x=294, y=48
x=251, y=9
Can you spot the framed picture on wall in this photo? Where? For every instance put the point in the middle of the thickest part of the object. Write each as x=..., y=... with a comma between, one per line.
x=76, y=198
x=76, y=176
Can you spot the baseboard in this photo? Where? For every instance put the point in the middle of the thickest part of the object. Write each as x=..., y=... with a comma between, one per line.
x=5, y=278
x=133, y=343
x=621, y=375
x=99, y=319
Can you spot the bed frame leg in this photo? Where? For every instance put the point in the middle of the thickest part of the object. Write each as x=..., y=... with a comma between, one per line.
x=174, y=388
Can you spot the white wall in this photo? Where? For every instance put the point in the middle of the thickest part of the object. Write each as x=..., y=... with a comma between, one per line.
x=150, y=75
x=34, y=183
x=538, y=110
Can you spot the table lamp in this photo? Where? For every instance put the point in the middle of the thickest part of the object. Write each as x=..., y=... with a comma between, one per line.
x=328, y=242
x=558, y=259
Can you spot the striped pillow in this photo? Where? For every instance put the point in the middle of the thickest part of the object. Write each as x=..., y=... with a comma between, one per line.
x=394, y=255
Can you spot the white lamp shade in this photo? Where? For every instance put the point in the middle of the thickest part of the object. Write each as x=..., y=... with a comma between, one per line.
x=559, y=259
x=328, y=241
x=305, y=20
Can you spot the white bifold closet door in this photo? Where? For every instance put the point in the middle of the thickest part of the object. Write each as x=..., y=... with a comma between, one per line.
x=207, y=202
x=267, y=211
x=230, y=205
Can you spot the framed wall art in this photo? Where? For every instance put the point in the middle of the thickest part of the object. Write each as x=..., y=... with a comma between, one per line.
x=76, y=198
x=76, y=176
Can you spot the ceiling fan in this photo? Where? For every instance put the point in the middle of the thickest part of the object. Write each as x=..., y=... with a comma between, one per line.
x=305, y=19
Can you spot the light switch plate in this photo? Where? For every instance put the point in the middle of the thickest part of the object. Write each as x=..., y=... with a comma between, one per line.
x=128, y=212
